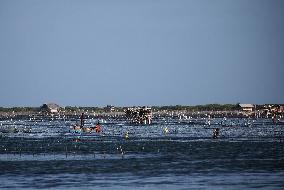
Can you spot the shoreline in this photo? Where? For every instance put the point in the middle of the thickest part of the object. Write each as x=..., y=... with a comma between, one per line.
x=117, y=115
x=178, y=111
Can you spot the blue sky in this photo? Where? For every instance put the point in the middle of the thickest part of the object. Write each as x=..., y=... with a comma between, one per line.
x=131, y=52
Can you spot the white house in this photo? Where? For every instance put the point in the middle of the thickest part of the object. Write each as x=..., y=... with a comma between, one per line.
x=246, y=107
x=50, y=108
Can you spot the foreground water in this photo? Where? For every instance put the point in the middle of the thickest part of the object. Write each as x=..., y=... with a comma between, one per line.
x=170, y=154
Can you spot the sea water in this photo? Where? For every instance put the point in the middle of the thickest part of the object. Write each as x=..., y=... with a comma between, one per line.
x=169, y=154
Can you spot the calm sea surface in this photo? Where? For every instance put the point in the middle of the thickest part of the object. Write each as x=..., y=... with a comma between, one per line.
x=169, y=154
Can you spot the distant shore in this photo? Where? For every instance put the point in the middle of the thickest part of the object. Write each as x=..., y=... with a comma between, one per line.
x=208, y=110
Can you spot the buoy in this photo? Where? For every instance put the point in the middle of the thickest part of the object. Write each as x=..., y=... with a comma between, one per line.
x=166, y=130
x=126, y=135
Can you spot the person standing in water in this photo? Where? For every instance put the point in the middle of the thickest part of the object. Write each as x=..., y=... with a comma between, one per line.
x=98, y=128
x=216, y=132
x=82, y=120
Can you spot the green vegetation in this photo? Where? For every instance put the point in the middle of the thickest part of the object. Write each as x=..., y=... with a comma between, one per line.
x=191, y=108
x=19, y=109
x=207, y=107
x=82, y=109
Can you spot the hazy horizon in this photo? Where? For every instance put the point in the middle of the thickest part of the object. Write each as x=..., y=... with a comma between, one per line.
x=269, y=103
x=131, y=52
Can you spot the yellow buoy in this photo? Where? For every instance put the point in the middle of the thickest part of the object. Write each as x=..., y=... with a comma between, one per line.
x=126, y=135
x=166, y=130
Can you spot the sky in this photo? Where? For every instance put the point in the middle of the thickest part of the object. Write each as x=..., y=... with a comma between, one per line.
x=141, y=52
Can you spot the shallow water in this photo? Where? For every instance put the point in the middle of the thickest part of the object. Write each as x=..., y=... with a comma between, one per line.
x=170, y=154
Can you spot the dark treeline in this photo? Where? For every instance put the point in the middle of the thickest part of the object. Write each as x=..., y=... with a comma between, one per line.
x=193, y=108
x=19, y=109
x=206, y=107
x=75, y=108
x=91, y=109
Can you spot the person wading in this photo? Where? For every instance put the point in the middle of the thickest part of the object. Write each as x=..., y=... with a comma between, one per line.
x=98, y=128
x=216, y=133
x=82, y=120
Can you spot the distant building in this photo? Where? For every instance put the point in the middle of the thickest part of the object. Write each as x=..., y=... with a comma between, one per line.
x=139, y=115
x=246, y=107
x=281, y=109
x=275, y=109
x=50, y=108
x=109, y=108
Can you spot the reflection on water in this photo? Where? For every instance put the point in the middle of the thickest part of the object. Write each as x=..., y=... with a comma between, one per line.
x=170, y=154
